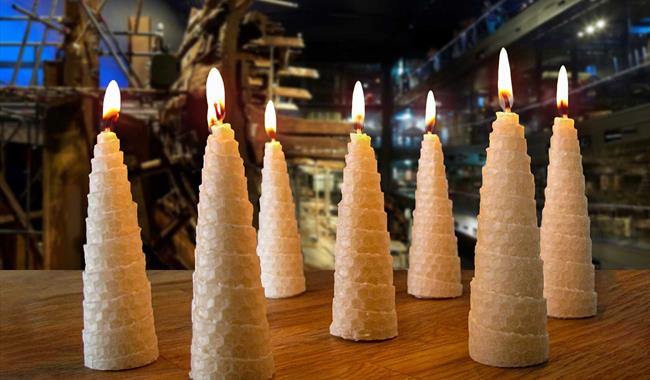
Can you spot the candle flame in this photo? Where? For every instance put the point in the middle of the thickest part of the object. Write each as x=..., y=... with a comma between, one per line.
x=430, y=112
x=563, y=92
x=111, y=100
x=216, y=96
x=212, y=117
x=112, y=104
x=358, y=107
x=270, y=123
x=506, y=99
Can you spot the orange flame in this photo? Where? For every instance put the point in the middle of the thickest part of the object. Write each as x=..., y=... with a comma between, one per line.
x=562, y=96
x=270, y=123
x=358, y=107
x=506, y=99
x=216, y=97
x=112, y=104
x=430, y=112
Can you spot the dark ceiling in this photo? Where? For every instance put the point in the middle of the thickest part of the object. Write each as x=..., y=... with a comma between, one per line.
x=371, y=31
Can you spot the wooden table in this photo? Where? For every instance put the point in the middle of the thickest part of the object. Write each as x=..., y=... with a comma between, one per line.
x=41, y=321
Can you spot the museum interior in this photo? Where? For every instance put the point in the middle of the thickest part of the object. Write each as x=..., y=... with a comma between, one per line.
x=58, y=56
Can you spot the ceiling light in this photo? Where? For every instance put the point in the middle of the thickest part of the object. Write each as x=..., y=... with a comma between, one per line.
x=600, y=24
x=590, y=29
x=581, y=34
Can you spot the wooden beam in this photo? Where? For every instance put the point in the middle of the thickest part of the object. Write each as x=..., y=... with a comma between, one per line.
x=255, y=82
x=289, y=125
x=314, y=146
x=262, y=63
x=22, y=218
x=140, y=64
x=303, y=72
x=292, y=92
x=280, y=41
x=286, y=106
x=10, y=218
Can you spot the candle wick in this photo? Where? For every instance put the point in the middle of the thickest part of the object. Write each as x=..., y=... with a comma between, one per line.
x=109, y=120
x=358, y=126
x=565, y=116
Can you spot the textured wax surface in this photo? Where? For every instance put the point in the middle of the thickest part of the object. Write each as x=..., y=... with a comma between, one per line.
x=507, y=318
x=565, y=238
x=230, y=332
x=434, y=265
x=364, y=296
x=278, y=237
x=119, y=330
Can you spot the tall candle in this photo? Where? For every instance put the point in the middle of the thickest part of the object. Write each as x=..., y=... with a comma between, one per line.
x=230, y=332
x=119, y=328
x=363, y=307
x=278, y=243
x=434, y=265
x=507, y=318
x=565, y=236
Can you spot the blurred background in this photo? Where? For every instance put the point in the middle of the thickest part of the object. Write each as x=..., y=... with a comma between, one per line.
x=57, y=56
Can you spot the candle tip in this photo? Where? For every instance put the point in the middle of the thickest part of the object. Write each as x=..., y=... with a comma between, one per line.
x=430, y=112
x=112, y=105
x=506, y=98
x=358, y=106
x=562, y=94
x=270, y=120
x=215, y=95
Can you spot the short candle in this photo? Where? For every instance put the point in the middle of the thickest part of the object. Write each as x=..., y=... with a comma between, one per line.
x=434, y=265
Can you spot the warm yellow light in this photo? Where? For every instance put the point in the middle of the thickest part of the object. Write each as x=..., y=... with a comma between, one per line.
x=430, y=112
x=112, y=102
x=562, y=96
x=216, y=97
x=358, y=107
x=212, y=116
x=270, y=123
x=506, y=99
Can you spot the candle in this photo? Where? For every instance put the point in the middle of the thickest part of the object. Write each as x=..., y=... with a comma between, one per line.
x=278, y=243
x=507, y=318
x=434, y=265
x=565, y=237
x=119, y=330
x=230, y=332
x=363, y=307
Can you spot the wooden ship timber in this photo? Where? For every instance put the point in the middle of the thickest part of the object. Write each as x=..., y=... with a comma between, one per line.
x=255, y=59
x=164, y=147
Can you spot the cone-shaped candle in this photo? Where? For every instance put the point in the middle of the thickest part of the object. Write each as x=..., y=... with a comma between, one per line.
x=278, y=241
x=119, y=330
x=507, y=318
x=434, y=265
x=230, y=332
x=364, y=295
x=565, y=238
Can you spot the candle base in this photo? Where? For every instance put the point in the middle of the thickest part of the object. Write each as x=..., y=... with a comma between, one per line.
x=569, y=280
x=434, y=265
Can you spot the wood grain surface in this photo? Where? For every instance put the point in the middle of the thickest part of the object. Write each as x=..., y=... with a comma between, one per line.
x=41, y=322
